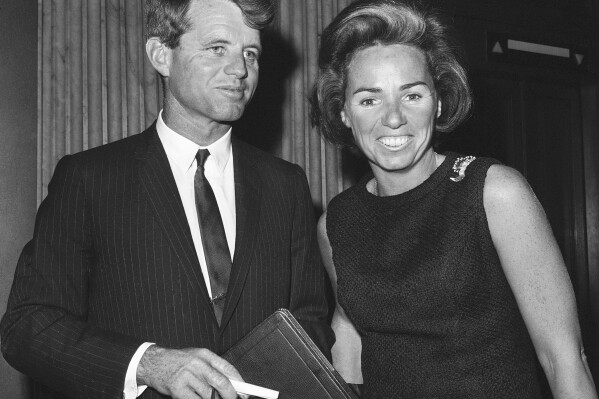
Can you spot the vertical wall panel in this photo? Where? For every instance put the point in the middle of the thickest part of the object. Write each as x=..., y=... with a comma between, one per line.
x=285, y=24
x=134, y=67
x=94, y=73
x=75, y=77
x=114, y=79
x=297, y=91
x=60, y=83
x=41, y=100
x=45, y=145
x=314, y=161
x=84, y=79
x=590, y=129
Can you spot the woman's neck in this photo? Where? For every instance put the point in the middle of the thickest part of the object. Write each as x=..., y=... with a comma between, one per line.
x=388, y=183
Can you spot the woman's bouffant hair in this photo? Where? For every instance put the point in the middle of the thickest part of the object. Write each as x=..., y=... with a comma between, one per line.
x=168, y=20
x=367, y=23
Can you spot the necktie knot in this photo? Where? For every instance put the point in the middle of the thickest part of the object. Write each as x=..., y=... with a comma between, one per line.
x=201, y=157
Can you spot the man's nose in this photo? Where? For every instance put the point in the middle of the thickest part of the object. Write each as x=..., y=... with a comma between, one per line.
x=236, y=66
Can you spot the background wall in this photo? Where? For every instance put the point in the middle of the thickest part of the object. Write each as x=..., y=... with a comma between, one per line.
x=18, y=137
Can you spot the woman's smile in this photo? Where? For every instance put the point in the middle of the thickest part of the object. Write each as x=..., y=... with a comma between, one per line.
x=394, y=143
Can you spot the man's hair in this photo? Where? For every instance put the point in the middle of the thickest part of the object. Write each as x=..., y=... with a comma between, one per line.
x=168, y=20
x=367, y=23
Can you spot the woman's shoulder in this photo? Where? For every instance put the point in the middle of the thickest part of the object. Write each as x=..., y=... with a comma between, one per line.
x=505, y=186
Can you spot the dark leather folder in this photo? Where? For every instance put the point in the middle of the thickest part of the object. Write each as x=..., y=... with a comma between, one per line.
x=279, y=355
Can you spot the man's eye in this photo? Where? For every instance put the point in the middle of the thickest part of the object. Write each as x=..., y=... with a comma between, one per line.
x=250, y=55
x=217, y=50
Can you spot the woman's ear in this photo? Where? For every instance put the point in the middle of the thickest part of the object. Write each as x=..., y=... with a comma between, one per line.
x=345, y=119
x=159, y=55
x=439, y=108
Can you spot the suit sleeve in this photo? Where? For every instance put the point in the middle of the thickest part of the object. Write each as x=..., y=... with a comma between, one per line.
x=45, y=330
x=308, y=303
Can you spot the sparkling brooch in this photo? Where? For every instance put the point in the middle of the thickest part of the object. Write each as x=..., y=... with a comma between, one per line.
x=460, y=166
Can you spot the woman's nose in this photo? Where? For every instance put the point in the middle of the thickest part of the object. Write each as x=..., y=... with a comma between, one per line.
x=394, y=116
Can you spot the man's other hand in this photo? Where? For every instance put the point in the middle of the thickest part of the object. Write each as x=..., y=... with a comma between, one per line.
x=187, y=373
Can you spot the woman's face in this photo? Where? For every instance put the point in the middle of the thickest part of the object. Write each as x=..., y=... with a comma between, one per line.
x=391, y=106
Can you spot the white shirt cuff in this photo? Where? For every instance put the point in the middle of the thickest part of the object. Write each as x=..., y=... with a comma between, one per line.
x=131, y=389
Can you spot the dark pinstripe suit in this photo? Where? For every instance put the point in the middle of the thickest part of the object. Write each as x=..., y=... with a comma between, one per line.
x=112, y=264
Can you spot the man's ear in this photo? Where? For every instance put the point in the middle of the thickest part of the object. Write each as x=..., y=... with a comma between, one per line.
x=345, y=119
x=159, y=55
x=439, y=108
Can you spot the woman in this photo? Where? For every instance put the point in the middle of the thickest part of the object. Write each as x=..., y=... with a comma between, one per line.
x=446, y=272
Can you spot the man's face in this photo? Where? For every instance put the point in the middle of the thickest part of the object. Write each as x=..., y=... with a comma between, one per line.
x=213, y=72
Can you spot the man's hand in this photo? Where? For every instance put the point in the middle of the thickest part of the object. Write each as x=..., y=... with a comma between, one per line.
x=187, y=373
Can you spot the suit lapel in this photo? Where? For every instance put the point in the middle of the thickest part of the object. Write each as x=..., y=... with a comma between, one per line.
x=157, y=179
x=248, y=189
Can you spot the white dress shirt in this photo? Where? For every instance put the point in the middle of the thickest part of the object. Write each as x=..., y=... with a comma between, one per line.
x=181, y=153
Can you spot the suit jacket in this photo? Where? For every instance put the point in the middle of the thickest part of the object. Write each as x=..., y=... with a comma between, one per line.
x=112, y=264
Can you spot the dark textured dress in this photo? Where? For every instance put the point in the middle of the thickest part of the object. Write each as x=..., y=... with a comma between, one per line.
x=418, y=275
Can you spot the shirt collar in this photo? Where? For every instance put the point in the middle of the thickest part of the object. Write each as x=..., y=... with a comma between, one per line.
x=182, y=151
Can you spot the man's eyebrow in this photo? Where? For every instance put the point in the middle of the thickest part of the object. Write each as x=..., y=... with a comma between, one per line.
x=378, y=89
x=257, y=46
x=220, y=40
x=217, y=40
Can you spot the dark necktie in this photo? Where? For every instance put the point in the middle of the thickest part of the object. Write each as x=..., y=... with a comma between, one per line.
x=214, y=241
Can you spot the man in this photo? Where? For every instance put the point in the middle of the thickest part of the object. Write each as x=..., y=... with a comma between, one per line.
x=122, y=256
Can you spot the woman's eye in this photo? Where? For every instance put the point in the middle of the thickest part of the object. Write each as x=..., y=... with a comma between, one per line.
x=413, y=97
x=367, y=102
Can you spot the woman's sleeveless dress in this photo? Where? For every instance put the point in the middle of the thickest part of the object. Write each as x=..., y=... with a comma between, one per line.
x=418, y=275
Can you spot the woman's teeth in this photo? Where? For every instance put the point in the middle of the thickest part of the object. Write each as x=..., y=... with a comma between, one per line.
x=394, y=141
